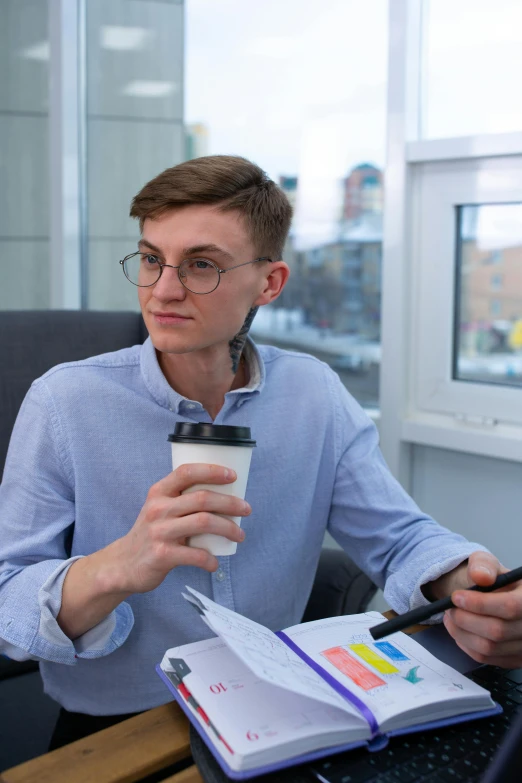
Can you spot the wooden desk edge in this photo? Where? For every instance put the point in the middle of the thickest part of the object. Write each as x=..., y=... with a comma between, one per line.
x=188, y=775
x=123, y=753
x=94, y=752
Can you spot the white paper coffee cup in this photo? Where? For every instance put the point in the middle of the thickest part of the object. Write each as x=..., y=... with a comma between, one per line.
x=216, y=444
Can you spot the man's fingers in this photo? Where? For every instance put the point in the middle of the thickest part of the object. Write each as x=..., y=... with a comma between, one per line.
x=187, y=475
x=193, y=556
x=506, y=604
x=493, y=628
x=506, y=661
x=482, y=649
x=483, y=568
x=207, y=500
x=195, y=524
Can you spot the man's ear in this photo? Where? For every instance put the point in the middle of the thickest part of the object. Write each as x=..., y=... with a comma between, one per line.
x=274, y=283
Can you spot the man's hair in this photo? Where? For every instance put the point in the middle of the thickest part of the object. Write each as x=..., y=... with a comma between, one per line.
x=231, y=183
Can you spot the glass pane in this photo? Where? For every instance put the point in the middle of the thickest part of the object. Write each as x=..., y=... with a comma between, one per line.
x=488, y=346
x=472, y=67
x=24, y=162
x=25, y=274
x=134, y=127
x=109, y=289
x=307, y=103
x=135, y=59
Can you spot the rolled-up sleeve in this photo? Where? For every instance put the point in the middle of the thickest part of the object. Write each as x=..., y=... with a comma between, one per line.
x=378, y=524
x=37, y=510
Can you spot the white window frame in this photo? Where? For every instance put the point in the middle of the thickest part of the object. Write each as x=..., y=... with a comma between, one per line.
x=67, y=153
x=441, y=187
x=420, y=402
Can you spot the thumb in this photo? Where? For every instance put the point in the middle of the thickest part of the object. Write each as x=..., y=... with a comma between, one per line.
x=483, y=568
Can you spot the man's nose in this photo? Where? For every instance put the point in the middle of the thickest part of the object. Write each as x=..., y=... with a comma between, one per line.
x=169, y=285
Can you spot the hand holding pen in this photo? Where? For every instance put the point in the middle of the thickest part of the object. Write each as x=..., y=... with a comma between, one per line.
x=485, y=620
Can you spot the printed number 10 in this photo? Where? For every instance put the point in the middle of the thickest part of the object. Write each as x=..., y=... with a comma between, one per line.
x=218, y=688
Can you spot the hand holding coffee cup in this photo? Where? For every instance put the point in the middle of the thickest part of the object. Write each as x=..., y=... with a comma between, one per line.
x=218, y=444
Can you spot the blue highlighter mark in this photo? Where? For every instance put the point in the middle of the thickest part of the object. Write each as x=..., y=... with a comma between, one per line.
x=392, y=652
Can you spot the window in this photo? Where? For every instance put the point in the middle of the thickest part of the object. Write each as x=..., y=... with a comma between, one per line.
x=24, y=168
x=488, y=311
x=104, y=145
x=308, y=105
x=472, y=62
x=455, y=159
x=467, y=339
x=134, y=123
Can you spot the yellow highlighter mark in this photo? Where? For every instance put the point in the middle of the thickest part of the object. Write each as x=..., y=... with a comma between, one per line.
x=367, y=654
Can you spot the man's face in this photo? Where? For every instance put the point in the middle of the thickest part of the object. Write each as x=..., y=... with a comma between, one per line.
x=178, y=320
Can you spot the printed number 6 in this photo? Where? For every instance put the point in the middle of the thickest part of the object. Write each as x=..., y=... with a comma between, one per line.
x=251, y=735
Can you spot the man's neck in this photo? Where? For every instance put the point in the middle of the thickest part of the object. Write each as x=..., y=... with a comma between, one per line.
x=204, y=381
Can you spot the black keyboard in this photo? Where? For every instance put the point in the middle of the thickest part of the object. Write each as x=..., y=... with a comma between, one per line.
x=458, y=753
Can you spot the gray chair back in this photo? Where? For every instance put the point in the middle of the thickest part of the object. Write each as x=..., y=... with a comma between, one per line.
x=33, y=341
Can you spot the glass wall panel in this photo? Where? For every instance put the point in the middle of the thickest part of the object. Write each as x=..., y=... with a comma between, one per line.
x=134, y=127
x=25, y=280
x=24, y=160
x=488, y=343
x=299, y=87
x=472, y=67
x=112, y=290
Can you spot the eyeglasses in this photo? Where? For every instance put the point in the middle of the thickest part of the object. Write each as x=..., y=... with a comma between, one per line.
x=198, y=275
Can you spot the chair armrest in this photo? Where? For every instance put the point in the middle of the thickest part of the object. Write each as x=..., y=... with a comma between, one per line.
x=10, y=668
x=340, y=587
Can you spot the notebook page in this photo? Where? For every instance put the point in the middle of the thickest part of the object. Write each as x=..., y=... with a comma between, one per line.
x=252, y=715
x=391, y=676
x=267, y=656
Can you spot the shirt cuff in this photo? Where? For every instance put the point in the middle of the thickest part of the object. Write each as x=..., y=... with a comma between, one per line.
x=102, y=639
x=50, y=643
x=430, y=575
x=16, y=653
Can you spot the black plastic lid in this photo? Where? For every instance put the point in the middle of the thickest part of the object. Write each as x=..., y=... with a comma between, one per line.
x=217, y=434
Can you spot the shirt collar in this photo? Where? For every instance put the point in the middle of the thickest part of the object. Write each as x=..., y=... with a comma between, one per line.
x=167, y=397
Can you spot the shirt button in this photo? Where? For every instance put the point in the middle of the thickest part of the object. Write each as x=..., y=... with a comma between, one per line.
x=220, y=574
x=191, y=405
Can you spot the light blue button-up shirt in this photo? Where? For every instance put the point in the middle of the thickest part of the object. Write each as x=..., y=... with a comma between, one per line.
x=91, y=439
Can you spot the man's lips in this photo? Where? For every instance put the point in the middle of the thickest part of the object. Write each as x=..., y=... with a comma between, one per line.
x=170, y=317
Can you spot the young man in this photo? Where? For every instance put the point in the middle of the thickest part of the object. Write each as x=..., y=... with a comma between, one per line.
x=90, y=448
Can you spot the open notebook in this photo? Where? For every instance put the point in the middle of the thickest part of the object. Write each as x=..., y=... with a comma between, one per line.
x=262, y=701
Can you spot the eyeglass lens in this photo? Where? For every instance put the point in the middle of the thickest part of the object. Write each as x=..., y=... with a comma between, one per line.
x=197, y=274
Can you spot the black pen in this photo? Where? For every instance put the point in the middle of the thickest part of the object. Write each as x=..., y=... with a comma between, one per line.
x=424, y=612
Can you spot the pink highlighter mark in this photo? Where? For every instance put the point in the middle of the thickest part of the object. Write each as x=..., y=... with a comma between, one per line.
x=348, y=665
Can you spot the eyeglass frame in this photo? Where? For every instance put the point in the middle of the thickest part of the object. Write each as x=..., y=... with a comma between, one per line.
x=207, y=260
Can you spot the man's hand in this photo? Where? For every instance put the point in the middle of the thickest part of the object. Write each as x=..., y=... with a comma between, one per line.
x=157, y=543
x=139, y=561
x=487, y=626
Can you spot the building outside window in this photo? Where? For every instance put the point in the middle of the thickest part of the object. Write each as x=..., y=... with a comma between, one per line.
x=305, y=100
x=489, y=294
x=298, y=87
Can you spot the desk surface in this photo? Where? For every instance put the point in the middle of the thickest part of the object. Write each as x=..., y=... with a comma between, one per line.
x=124, y=753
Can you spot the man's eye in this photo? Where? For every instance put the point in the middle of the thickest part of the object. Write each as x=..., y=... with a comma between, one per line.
x=200, y=263
x=149, y=260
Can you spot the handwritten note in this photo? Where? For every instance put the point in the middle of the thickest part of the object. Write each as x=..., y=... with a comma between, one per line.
x=266, y=655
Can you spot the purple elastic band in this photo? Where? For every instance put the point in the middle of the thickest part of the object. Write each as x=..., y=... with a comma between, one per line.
x=341, y=690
